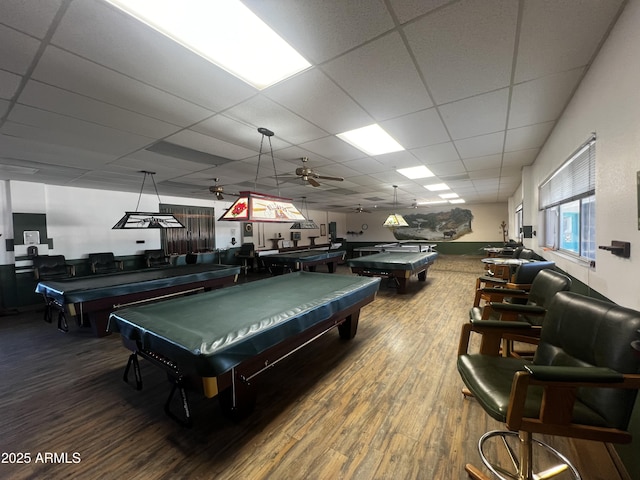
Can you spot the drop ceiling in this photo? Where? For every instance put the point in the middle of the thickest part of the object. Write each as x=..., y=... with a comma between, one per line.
x=89, y=97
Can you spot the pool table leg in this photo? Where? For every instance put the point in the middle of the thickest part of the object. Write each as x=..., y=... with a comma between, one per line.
x=402, y=284
x=422, y=276
x=239, y=400
x=349, y=327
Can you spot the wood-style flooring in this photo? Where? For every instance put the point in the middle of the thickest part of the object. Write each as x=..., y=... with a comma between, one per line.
x=385, y=405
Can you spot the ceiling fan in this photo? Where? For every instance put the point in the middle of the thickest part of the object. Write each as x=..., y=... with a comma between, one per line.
x=359, y=209
x=218, y=190
x=308, y=175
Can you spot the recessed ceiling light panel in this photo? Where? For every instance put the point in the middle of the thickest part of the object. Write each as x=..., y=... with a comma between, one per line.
x=372, y=140
x=226, y=33
x=415, y=172
x=448, y=195
x=437, y=187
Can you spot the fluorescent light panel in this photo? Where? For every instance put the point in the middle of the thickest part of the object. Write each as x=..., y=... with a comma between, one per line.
x=372, y=140
x=415, y=172
x=433, y=202
x=437, y=187
x=448, y=195
x=226, y=33
x=458, y=200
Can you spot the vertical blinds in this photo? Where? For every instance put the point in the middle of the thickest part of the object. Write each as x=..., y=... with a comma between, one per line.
x=574, y=179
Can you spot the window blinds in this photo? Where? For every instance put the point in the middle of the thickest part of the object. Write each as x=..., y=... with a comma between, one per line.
x=576, y=178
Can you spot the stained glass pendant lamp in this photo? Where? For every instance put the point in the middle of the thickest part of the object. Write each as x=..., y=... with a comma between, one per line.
x=262, y=207
x=138, y=220
x=395, y=220
x=307, y=224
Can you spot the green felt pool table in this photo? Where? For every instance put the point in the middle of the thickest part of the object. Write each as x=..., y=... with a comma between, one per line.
x=398, y=265
x=93, y=298
x=226, y=337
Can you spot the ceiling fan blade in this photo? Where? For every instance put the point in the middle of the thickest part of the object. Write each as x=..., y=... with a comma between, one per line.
x=313, y=182
x=300, y=171
x=324, y=177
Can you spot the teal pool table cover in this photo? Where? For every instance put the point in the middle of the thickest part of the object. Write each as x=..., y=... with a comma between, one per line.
x=304, y=256
x=394, y=260
x=210, y=333
x=85, y=289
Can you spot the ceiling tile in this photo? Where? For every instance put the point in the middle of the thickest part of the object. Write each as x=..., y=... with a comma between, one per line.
x=367, y=72
x=417, y=129
x=559, y=36
x=476, y=115
x=465, y=48
x=17, y=50
x=323, y=30
x=312, y=95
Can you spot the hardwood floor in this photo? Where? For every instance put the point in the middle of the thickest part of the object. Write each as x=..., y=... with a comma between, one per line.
x=385, y=405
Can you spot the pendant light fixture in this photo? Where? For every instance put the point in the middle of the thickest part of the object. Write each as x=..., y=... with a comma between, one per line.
x=307, y=224
x=262, y=207
x=138, y=220
x=395, y=220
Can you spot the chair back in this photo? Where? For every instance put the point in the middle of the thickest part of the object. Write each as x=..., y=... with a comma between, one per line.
x=48, y=267
x=545, y=285
x=580, y=331
x=156, y=258
x=246, y=250
x=103, y=262
x=526, y=272
x=526, y=254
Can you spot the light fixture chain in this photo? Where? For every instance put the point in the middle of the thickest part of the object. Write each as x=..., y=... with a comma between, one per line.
x=141, y=189
x=255, y=183
x=273, y=161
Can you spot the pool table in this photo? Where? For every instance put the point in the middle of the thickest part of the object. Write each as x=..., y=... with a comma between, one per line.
x=219, y=341
x=402, y=246
x=398, y=265
x=302, y=260
x=92, y=298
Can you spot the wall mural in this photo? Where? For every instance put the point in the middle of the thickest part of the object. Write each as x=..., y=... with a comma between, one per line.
x=436, y=226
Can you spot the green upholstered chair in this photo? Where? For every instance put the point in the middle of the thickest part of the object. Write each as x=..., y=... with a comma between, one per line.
x=246, y=253
x=521, y=279
x=52, y=267
x=581, y=383
x=156, y=258
x=104, y=263
x=502, y=307
x=545, y=285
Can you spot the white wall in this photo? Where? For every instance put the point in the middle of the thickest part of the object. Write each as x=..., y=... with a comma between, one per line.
x=607, y=103
x=79, y=220
x=485, y=224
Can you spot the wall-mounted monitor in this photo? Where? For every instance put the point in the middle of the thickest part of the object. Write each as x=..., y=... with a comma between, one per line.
x=296, y=235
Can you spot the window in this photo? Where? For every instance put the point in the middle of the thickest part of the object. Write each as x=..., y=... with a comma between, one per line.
x=567, y=200
x=518, y=222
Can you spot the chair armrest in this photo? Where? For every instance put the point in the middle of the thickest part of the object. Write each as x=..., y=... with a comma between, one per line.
x=492, y=332
x=559, y=397
x=482, y=326
x=519, y=286
x=508, y=292
x=517, y=308
x=573, y=374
